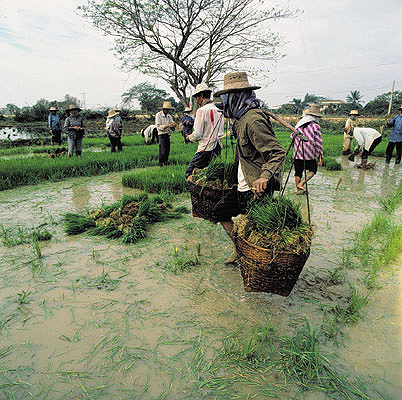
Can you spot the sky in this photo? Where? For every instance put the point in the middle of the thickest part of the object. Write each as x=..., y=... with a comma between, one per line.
x=331, y=48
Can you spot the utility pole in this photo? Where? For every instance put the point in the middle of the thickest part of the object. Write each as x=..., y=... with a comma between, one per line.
x=83, y=99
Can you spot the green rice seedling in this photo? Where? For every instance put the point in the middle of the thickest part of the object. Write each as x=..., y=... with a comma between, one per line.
x=36, y=248
x=24, y=297
x=181, y=261
x=351, y=311
x=40, y=234
x=75, y=224
x=275, y=215
x=391, y=202
x=103, y=281
x=337, y=276
x=20, y=235
x=331, y=164
x=137, y=232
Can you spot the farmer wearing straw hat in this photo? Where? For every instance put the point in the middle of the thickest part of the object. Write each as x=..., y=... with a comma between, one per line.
x=259, y=155
x=348, y=132
x=114, y=126
x=187, y=123
x=164, y=124
x=208, y=129
x=395, y=140
x=306, y=152
x=54, y=125
x=74, y=124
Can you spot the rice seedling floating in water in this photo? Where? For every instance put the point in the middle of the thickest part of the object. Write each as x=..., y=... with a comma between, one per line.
x=126, y=220
x=331, y=164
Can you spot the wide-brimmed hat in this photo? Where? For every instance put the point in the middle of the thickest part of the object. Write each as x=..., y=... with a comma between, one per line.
x=354, y=112
x=167, y=106
x=53, y=109
x=187, y=110
x=201, y=87
x=73, y=107
x=111, y=113
x=314, y=110
x=235, y=81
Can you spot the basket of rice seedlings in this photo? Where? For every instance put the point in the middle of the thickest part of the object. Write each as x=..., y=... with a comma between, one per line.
x=273, y=244
x=208, y=186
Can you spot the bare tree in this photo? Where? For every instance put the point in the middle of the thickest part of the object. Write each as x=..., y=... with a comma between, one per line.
x=185, y=42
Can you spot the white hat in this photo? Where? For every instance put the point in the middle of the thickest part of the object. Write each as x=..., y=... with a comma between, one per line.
x=202, y=87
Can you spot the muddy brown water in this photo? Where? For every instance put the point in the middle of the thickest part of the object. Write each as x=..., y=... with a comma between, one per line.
x=72, y=338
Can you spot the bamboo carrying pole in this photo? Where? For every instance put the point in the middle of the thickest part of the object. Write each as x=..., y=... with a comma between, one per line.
x=281, y=121
x=389, y=105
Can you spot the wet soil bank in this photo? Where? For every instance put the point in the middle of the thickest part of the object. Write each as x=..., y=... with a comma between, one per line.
x=86, y=317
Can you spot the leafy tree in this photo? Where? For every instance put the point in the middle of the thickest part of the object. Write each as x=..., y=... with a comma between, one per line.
x=187, y=42
x=10, y=108
x=354, y=98
x=298, y=106
x=379, y=105
x=149, y=97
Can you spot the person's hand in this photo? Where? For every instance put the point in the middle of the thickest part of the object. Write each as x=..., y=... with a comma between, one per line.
x=259, y=187
x=50, y=131
x=319, y=162
x=172, y=125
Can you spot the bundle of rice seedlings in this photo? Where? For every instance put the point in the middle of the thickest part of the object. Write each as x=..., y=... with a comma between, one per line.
x=218, y=174
x=275, y=223
x=76, y=223
x=126, y=219
x=331, y=164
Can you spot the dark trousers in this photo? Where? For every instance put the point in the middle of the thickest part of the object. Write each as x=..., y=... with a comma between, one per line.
x=154, y=136
x=390, y=150
x=56, y=136
x=375, y=143
x=202, y=159
x=164, y=149
x=115, y=142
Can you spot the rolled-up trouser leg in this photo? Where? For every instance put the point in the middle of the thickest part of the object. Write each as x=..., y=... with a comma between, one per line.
x=200, y=160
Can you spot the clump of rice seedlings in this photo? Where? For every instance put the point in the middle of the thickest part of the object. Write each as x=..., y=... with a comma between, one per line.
x=218, y=174
x=351, y=311
x=391, y=202
x=21, y=235
x=331, y=164
x=126, y=220
x=75, y=224
x=103, y=281
x=275, y=223
x=181, y=261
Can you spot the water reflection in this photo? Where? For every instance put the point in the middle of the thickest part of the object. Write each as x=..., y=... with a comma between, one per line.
x=80, y=197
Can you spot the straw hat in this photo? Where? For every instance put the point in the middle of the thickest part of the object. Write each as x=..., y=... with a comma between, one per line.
x=73, y=107
x=187, y=110
x=354, y=112
x=111, y=113
x=235, y=81
x=201, y=87
x=314, y=110
x=53, y=109
x=167, y=106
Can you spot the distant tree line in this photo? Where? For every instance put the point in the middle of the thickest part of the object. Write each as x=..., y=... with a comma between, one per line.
x=377, y=106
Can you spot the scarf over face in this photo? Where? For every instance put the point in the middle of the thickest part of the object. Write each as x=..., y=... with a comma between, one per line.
x=236, y=104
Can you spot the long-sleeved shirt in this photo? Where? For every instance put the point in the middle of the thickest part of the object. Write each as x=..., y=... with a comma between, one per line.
x=349, y=126
x=396, y=135
x=74, y=121
x=365, y=137
x=258, y=151
x=162, y=121
x=208, y=127
x=54, y=122
x=313, y=147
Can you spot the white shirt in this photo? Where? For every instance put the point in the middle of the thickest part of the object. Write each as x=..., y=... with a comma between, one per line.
x=365, y=137
x=148, y=133
x=161, y=121
x=208, y=127
x=242, y=185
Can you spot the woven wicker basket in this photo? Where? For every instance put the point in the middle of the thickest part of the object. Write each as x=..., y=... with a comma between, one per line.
x=204, y=200
x=266, y=271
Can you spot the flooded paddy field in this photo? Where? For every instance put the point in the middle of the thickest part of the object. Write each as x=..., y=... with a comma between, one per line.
x=89, y=318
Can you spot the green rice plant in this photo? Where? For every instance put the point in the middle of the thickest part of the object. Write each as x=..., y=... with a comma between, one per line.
x=75, y=224
x=154, y=180
x=24, y=297
x=138, y=231
x=331, y=164
x=181, y=260
x=351, y=311
x=20, y=235
x=337, y=276
x=103, y=281
x=275, y=214
x=392, y=201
